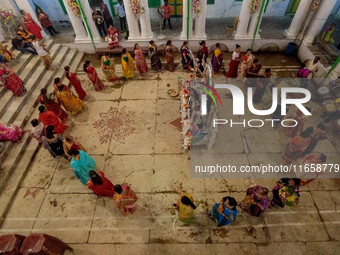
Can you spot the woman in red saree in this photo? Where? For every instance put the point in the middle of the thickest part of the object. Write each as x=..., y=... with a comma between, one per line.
x=75, y=82
x=30, y=24
x=52, y=104
x=100, y=185
x=203, y=49
x=93, y=76
x=11, y=81
x=297, y=146
x=234, y=62
x=48, y=118
x=141, y=65
x=112, y=37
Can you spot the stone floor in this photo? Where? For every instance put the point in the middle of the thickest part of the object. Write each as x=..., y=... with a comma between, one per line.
x=138, y=145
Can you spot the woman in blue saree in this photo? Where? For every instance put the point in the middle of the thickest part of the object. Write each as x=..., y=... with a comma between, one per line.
x=187, y=62
x=224, y=212
x=82, y=163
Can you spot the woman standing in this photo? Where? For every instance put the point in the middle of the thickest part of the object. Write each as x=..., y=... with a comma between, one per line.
x=291, y=130
x=11, y=81
x=156, y=63
x=246, y=63
x=52, y=104
x=75, y=82
x=70, y=143
x=127, y=65
x=53, y=142
x=43, y=52
x=45, y=21
x=327, y=35
x=187, y=62
x=10, y=133
x=170, y=56
x=297, y=146
x=256, y=201
x=112, y=37
x=70, y=102
x=93, y=76
x=124, y=199
x=185, y=206
x=217, y=59
x=224, y=212
x=49, y=118
x=204, y=51
x=31, y=25
x=141, y=65
x=108, y=68
x=100, y=185
x=82, y=163
x=234, y=62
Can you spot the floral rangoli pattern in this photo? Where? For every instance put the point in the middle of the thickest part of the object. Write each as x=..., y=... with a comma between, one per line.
x=115, y=124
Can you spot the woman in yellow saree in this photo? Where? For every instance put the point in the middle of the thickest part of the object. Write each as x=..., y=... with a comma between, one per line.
x=127, y=65
x=108, y=67
x=70, y=102
x=185, y=206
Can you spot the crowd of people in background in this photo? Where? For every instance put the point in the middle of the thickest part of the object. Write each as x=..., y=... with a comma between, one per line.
x=49, y=127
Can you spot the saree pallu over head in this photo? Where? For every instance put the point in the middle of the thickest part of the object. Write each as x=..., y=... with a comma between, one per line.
x=128, y=66
x=70, y=102
x=83, y=166
x=221, y=220
x=108, y=68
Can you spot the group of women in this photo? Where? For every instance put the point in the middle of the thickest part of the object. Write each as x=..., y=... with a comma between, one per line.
x=256, y=201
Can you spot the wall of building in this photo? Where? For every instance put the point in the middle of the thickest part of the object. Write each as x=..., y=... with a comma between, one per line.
x=51, y=8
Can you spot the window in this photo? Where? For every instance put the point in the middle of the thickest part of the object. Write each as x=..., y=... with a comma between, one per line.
x=154, y=3
x=211, y=1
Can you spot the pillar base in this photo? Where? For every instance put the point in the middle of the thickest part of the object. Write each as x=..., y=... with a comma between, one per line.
x=86, y=40
x=139, y=39
x=200, y=37
x=242, y=36
x=184, y=37
x=308, y=41
x=289, y=35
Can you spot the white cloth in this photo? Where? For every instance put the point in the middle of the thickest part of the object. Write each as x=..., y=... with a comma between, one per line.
x=235, y=55
x=40, y=50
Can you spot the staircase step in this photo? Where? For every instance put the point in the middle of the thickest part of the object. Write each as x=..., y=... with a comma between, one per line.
x=14, y=103
x=20, y=67
x=38, y=80
x=46, y=81
x=10, y=182
x=67, y=61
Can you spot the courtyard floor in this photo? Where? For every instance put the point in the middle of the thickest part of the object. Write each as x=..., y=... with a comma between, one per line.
x=138, y=145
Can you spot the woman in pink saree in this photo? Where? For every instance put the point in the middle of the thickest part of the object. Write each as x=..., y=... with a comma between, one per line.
x=10, y=133
x=93, y=76
x=141, y=65
x=124, y=199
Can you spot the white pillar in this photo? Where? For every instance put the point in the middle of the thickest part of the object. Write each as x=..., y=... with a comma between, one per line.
x=319, y=21
x=200, y=22
x=134, y=33
x=145, y=24
x=77, y=24
x=2, y=37
x=9, y=5
x=242, y=27
x=254, y=20
x=92, y=25
x=299, y=18
x=24, y=5
x=187, y=17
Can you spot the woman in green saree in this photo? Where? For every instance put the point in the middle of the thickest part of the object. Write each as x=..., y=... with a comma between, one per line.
x=185, y=206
